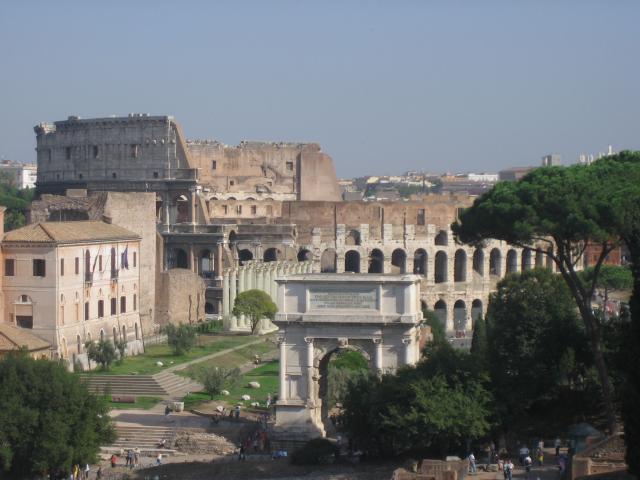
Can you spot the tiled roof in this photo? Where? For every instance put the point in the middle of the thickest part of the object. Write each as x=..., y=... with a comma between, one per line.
x=69, y=232
x=20, y=337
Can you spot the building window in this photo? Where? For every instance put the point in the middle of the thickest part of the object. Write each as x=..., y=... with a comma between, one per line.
x=269, y=210
x=232, y=182
x=123, y=304
x=114, y=305
x=290, y=166
x=239, y=209
x=420, y=219
x=113, y=175
x=214, y=164
x=67, y=153
x=135, y=302
x=99, y=263
x=80, y=176
x=100, y=308
x=39, y=267
x=9, y=267
x=62, y=267
x=254, y=209
x=225, y=209
x=86, y=310
x=135, y=259
x=95, y=151
x=155, y=174
x=77, y=265
x=134, y=151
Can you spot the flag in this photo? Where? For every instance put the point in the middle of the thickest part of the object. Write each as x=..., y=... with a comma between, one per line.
x=124, y=261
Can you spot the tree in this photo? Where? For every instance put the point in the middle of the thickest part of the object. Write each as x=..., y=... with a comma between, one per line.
x=432, y=408
x=437, y=328
x=17, y=203
x=556, y=211
x=102, y=352
x=479, y=347
x=49, y=420
x=611, y=278
x=538, y=355
x=256, y=305
x=343, y=368
x=181, y=338
x=121, y=346
x=217, y=379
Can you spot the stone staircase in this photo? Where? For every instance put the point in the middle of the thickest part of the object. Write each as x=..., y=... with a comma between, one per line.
x=163, y=384
x=145, y=438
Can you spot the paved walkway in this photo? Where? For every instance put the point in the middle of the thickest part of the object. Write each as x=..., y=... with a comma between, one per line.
x=184, y=365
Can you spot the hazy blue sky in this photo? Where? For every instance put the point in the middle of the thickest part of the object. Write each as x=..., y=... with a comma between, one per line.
x=385, y=87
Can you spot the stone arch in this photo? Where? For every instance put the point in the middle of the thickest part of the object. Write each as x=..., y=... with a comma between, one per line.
x=460, y=266
x=328, y=261
x=441, y=267
x=181, y=258
x=376, y=261
x=272, y=254
x=460, y=315
x=78, y=344
x=65, y=351
x=420, y=257
x=244, y=255
x=512, y=261
x=525, y=262
x=476, y=309
x=398, y=261
x=440, y=309
x=352, y=238
x=441, y=239
x=181, y=203
x=352, y=261
x=304, y=255
x=495, y=262
x=478, y=261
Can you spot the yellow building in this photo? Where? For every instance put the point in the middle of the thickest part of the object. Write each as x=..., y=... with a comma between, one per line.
x=72, y=282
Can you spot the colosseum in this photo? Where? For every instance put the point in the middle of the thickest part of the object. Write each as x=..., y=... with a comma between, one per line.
x=237, y=216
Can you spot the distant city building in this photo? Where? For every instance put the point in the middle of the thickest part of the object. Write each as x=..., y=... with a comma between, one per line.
x=483, y=177
x=18, y=175
x=513, y=174
x=551, y=160
x=588, y=159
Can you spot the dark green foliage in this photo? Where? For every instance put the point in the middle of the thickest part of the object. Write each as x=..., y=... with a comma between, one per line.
x=212, y=326
x=437, y=328
x=217, y=379
x=181, y=338
x=256, y=305
x=102, y=352
x=121, y=346
x=48, y=418
x=479, y=346
x=344, y=368
x=318, y=451
x=432, y=408
x=17, y=203
x=539, y=362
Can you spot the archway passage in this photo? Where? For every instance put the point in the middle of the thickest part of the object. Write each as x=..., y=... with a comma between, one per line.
x=539, y=259
x=440, y=309
x=460, y=266
x=376, y=261
x=495, y=262
x=336, y=370
x=441, y=267
x=441, y=238
x=206, y=264
x=476, y=310
x=398, y=261
x=525, y=263
x=460, y=316
x=478, y=261
x=272, y=255
x=244, y=255
x=328, y=261
x=352, y=261
x=182, y=208
x=208, y=308
x=512, y=261
x=304, y=255
x=420, y=262
x=352, y=238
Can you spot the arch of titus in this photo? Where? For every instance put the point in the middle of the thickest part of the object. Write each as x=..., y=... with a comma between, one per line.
x=320, y=314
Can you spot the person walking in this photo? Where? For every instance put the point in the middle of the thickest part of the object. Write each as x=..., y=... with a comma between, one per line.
x=114, y=460
x=527, y=465
x=99, y=473
x=558, y=444
x=241, y=455
x=87, y=469
x=540, y=457
x=508, y=469
x=472, y=464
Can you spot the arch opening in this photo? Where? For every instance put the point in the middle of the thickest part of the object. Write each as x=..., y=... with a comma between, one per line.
x=420, y=262
x=328, y=261
x=495, y=262
x=525, y=263
x=512, y=261
x=376, y=261
x=398, y=261
x=352, y=261
x=440, y=275
x=478, y=261
x=304, y=255
x=460, y=316
x=441, y=239
x=460, y=266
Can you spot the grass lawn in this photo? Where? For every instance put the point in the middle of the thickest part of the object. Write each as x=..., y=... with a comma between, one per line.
x=232, y=359
x=142, y=402
x=146, y=364
x=266, y=375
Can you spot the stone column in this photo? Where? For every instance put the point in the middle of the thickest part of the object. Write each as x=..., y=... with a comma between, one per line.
x=232, y=297
x=249, y=276
x=241, y=279
x=192, y=262
x=167, y=215
x=282, y=397
x=339, y=263
x=225, y=293
x=260, y=277
x=379, y=364
x=310, y=381
x=408, y=350
x=192, y=206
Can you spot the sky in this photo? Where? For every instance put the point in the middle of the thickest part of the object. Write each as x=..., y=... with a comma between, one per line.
x=384, y=87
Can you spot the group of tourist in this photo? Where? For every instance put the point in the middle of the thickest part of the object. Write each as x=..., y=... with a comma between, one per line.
x=258, y=441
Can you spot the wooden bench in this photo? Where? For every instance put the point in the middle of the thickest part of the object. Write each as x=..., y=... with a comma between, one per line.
x=123, y=398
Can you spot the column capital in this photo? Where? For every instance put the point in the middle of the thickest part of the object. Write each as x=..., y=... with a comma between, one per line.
x=377, y=340
x=407, y=340
x=281, y=340
x=309, y=340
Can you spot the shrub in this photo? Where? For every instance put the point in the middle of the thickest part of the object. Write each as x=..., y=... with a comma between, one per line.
x=181, y=338
x=318, y=451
